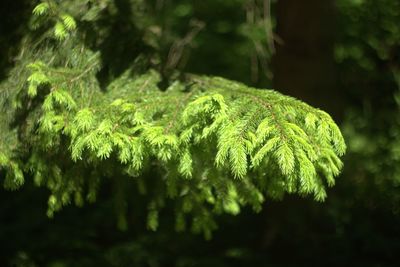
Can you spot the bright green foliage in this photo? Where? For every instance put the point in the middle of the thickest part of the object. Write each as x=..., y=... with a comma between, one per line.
x=218, y=144
x=41, y=9
x=14, y=176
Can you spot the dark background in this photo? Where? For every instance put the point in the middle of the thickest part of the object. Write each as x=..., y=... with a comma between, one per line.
x=358, y=224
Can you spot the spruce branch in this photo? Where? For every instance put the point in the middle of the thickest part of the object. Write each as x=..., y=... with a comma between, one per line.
x=208, y=141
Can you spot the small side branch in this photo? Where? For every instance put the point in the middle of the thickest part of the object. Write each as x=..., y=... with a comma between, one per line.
x=268, y=26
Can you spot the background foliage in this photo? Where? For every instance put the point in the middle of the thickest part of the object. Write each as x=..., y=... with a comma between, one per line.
x=357, y=222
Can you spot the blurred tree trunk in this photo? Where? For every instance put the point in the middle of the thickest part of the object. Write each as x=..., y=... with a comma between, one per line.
x=304, y=68
x=304, y=63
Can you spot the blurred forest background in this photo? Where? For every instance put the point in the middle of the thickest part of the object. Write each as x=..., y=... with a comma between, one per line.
x=342, y=56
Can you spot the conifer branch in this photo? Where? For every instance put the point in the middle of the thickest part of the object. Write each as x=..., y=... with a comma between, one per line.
x=220, y=143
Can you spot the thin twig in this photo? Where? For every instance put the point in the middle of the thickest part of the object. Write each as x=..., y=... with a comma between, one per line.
x=268, y=25
x=176, y=50
x=83, y=73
